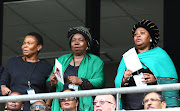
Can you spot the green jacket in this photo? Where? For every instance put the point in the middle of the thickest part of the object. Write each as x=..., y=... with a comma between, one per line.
x=91, y=68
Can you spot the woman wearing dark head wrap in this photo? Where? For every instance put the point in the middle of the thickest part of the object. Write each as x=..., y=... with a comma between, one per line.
x=80, y=69
x=158, y=67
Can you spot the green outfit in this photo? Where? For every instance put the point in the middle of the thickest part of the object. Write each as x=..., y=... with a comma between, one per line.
x=91, y=68
x=159, y=62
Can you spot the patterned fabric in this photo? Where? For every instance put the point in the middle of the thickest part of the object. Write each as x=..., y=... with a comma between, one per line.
x=86, y=84
x=171, y=96
x=81, y=30
x=151, y=28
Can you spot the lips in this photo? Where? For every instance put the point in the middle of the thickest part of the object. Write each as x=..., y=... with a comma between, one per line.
x=66, y=104
x=25, y=51
x=13, y=105
x=138, y=40
x=76, y=48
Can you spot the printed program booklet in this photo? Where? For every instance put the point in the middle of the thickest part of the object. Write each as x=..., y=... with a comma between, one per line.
x=131, y=60
x=58, y=69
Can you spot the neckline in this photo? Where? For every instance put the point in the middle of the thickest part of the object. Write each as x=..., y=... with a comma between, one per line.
x=29, y=62
x=72, y=66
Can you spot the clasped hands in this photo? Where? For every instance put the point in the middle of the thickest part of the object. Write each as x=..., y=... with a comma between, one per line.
x=148, y=78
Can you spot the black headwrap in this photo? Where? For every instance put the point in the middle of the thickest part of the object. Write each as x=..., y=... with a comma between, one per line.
x=81, y=30
x=151, y=28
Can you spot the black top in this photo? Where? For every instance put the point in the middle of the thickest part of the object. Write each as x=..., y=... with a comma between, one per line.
x=17, y=72
x=70, y=71
x=73, y=71
x=1, y=71
x=134, y=101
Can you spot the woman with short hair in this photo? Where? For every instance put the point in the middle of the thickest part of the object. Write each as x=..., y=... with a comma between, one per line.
x=26, y=73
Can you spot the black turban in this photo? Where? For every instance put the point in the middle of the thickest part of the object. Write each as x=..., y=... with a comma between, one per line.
x=81, y=30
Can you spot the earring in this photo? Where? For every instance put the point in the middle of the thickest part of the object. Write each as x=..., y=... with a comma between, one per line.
x=151, y=40
x=86, y=48
x=38, y=50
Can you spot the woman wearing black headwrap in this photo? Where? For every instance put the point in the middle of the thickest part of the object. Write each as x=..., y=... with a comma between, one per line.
x=158, y=67
x=80, y=69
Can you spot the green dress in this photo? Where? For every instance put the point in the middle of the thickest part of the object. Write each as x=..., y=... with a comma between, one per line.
x=91, y=68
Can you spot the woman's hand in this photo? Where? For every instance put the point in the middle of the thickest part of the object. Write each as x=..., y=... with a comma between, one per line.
x=5, y=90
x=127, y=75
x=74, y=80
x=53, y=79
x=149, y=78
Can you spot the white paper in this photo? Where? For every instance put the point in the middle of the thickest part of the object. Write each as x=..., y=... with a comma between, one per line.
x=138, y=80
x=58, y=68
x=131, y=60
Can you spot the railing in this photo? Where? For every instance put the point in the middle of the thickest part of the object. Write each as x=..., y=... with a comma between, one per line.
x=94, y=92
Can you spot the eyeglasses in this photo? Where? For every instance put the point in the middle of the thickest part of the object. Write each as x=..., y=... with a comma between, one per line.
x=101, y=102
x=69, y=98
x=41, y=107
x=151, y=99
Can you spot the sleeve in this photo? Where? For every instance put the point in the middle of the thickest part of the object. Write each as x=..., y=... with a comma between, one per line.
x=120, y=73
x=98, y=80
x=51, y=72
x=86, y=84
x=5, y=78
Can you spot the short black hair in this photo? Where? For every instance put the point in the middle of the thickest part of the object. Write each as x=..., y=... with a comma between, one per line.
x=37, y=36
x=160, y=95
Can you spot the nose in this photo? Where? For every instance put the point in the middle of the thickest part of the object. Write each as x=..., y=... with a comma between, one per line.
x=24, y=45
x=97, y=104
x=37, y=108
x=66, y=99
x=137, y=35
x=77, y=42
x=149, y=102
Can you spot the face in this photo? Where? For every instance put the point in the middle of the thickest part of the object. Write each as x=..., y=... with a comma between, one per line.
x=68, y=104
x=152, y=101
x=14, y=105
x=38, y=106
x=30, y=47
x=142, y=38
x=104, y=103
x=78, y=44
